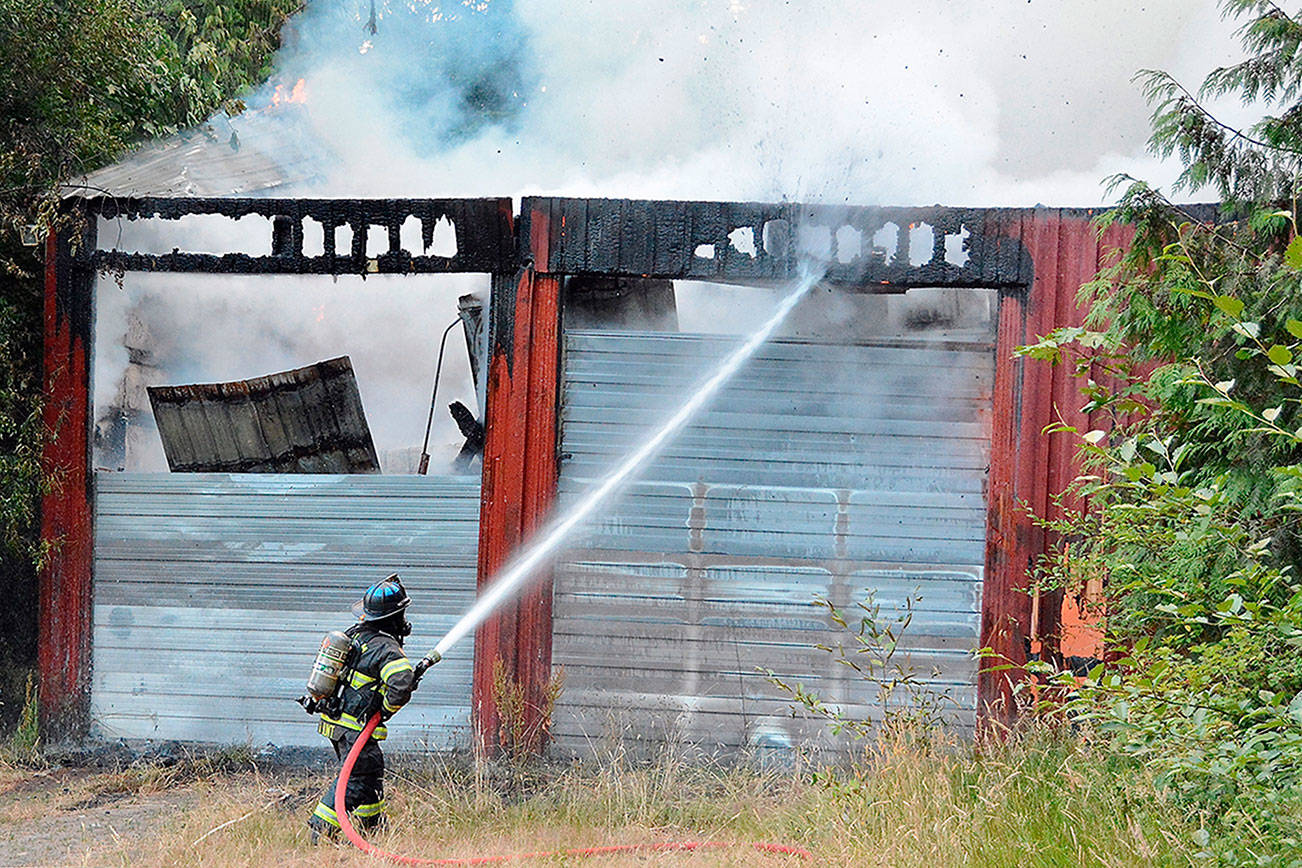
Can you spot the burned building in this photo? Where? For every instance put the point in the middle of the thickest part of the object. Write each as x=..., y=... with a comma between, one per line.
x=878, y=450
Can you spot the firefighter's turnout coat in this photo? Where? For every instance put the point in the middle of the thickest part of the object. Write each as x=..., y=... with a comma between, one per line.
x=381, y=680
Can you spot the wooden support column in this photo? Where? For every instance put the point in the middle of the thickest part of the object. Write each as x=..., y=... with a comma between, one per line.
x=64, y=643
x=518, y=491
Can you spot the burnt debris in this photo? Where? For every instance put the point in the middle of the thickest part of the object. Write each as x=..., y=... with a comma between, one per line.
x=308, y=420
x=471, y=429
x=620, y=303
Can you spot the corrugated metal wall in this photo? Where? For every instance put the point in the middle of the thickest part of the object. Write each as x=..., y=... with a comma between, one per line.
x=821, y=470
x=212, y=592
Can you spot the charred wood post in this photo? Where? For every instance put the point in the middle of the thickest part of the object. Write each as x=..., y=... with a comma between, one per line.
x=519, y=487
x=64, y=580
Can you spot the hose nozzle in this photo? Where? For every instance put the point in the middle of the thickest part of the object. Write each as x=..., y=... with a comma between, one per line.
x=426, y=662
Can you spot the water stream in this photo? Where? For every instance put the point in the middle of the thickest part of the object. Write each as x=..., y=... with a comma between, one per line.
x=539, y=550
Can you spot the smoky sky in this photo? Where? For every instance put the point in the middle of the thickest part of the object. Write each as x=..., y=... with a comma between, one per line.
x=976, y=103
x=447, y=73
x=996, y=102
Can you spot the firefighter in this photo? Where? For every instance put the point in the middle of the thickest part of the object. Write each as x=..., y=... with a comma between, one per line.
x=381, y=678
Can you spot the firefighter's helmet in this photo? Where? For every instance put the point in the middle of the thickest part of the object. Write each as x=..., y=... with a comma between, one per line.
x=382, y=599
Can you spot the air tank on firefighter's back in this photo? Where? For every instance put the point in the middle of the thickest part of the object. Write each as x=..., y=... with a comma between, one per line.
x=331, y=660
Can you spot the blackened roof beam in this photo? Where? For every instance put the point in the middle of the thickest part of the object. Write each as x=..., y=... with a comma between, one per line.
x=483, y=227
x=868, y=248
x=873, y=249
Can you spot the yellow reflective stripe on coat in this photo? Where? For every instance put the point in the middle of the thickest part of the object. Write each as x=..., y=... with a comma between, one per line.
x=395, y=666
x=360, y=680
x=347, y=721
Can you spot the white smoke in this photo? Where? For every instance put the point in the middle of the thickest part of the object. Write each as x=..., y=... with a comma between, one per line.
x=215, y=329
x=982, y=103
x=978, y=103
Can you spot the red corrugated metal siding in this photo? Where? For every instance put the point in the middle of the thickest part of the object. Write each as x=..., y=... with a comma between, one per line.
x=63, y=652
x=1029, y=467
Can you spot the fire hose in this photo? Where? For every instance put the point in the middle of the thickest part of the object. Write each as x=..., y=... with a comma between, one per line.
x=371, y=850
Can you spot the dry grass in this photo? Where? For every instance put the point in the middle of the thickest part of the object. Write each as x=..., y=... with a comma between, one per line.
x=912, y=801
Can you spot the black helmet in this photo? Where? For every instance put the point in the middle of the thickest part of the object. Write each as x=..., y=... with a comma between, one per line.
x=382, y=599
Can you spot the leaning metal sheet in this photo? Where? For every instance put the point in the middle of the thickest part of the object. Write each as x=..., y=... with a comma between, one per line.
x=308, y=420
x=212, y=592
x=850, y=473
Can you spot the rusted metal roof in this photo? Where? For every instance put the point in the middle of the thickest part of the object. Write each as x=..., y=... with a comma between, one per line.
x=308, y=420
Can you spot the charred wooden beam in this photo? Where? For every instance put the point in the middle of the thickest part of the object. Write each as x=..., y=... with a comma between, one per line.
x=864, y=248
x=875, y=249
x=484, y=240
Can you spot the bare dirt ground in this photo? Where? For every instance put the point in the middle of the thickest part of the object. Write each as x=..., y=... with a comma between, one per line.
x=70, y=816
x=64, y=816
x=57, y=818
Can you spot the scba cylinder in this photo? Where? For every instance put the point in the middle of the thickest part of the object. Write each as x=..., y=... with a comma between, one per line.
x=330, y=663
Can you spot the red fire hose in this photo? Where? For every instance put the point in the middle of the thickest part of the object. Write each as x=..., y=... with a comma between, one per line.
x=371, y=850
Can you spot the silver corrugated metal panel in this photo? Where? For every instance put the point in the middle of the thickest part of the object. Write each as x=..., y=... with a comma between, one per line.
x=308, y=420
x=821, y=471
x=212, y=593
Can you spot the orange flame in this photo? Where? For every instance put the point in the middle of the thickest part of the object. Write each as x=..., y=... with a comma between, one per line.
x=298, y=93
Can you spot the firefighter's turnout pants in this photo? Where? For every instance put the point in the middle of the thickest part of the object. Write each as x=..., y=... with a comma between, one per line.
x=364, y=796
